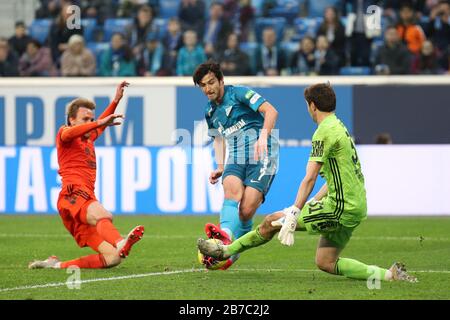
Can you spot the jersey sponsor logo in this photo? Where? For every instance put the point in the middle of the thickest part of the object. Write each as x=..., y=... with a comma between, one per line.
x=255, y=98
x=249, y=94
x=228, y=110
x=232, y=129
x=317, y=149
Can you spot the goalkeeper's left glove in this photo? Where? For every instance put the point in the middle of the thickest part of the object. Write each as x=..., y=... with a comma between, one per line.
x=286, y=235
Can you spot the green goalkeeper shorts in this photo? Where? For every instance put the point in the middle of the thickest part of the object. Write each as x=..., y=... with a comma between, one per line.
x=319, y=217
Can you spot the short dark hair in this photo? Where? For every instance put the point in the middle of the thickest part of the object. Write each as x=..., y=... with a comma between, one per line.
x=35, y=42
x=20, y=24
x=406, y=5
x=322, y=95
x=205, y=68
x=383, y=138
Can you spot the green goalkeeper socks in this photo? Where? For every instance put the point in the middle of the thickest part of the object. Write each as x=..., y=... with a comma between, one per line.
x=249, y=240
x=354, y=269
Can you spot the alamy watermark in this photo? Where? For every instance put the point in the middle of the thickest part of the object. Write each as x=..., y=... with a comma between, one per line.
x=373, y=21
x=73, y=20
x=374, y=280
x=74, y=280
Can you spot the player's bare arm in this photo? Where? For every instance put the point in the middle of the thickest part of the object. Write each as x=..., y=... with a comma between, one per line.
x=113, y=105
x=270, y=118
x=119, y=94
x=120, y=90
x=286, y=235
x=322, y=193
x=219, y=151
x=307, y=184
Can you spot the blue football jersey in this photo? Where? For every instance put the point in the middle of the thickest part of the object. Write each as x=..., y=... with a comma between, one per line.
x=237, y=120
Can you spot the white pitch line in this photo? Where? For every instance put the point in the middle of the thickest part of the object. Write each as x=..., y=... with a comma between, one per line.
x=132, y=276
x=143, y=275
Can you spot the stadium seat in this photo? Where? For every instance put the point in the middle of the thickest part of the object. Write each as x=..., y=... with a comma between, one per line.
x=97, y=49
x=288, y=9
x=290, y=47
x=424, y=20
x=250, y=48
x=161, y=25
x=375, y=47
x=258, y=6
x=355, y=71
x=277, y=23
x=115, y=25
x=317, y=7
x=89, y=28
x=168, y=8
x=306, y=26
x=39, y=29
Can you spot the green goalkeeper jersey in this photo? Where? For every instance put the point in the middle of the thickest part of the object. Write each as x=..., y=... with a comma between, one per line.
x=333, y=146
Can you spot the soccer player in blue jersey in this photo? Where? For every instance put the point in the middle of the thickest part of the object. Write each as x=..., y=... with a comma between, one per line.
x=241, y=120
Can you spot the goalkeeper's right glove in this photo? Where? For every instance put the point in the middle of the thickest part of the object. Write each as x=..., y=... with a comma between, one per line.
x=286, y=234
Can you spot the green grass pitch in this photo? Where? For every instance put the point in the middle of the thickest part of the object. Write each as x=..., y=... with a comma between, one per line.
x=164, y=264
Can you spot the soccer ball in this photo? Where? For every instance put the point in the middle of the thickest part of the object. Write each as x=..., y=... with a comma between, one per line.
x=211, y=263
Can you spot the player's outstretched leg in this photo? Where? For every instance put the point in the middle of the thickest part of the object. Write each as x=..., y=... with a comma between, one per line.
x=261, y=235
x=93, y=261
x=96, y=215
x=328, y=260
x=50, y=262
x=355, y=269
x=107, y=257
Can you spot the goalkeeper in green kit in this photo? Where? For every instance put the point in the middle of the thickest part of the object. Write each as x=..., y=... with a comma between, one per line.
x=334, y=212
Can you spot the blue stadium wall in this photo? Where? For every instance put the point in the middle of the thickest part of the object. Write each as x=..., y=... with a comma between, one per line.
x=158, y=163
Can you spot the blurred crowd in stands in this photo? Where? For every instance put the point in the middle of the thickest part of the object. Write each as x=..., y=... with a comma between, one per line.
x=263, y=37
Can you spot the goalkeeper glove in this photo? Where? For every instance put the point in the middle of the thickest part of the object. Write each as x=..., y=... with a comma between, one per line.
x=286, y=235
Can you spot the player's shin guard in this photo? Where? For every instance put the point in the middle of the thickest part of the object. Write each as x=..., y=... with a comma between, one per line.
x=229, y=217
x=354, y=269
x=108, y=232
x=93, y=261
x=244, y=227
x=251, y=239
